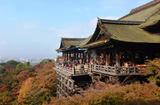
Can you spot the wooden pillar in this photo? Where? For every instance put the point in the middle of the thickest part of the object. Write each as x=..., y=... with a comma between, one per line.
x=74, y=55
x=118, y=59
x=133, y=58
x=77, y=55
x=108, y=60
x=67, y=56
x=98, y=59
x=84, y=58
x=102, y=58
x=89, y=57
x=63, y=54
x=70, y=54
x=80, y=55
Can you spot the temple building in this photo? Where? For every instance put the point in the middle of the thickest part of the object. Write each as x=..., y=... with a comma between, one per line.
x=130, y=38
x=70, y=49
x=116, y=52
x=115, y=42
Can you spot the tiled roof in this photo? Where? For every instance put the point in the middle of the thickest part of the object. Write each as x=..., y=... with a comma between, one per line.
x=121, y=30
x=67, y=43
x=143, y=12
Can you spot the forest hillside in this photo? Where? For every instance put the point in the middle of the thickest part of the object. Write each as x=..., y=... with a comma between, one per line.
x=22, y=84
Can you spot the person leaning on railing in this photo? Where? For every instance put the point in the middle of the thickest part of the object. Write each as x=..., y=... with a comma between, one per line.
x=126, y=64
x=91, y=62
x=130, y=64
x=126, y=67
x=70, y=66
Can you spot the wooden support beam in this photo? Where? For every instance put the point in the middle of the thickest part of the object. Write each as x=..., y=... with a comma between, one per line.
x=83, y=58
x=97, y=59
x=87, y=56
x=67, y=56
x=101, y=58
x=108, y=60
x=77, y=55
x=117, y=59
x=80, y=55
x=133, y=58
x=110, y=78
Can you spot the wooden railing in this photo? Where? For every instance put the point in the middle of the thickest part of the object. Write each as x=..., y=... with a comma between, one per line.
x=111, y=70
x=63, y=68
x=74, y=70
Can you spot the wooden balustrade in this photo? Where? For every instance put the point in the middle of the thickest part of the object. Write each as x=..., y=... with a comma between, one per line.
x=111, y=70
x=80, y=70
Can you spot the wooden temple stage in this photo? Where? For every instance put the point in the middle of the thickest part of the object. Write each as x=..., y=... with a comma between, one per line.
x=76, y=80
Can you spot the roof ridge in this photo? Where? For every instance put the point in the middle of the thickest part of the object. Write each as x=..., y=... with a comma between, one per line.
x=72, y=38
x=140, y=8
x=127, y=22
x=144, y=6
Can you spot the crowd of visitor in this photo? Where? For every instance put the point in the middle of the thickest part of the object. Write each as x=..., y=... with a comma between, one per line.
x=74, y=63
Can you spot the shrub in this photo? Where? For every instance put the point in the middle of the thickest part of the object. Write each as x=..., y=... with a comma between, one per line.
x=2, y=71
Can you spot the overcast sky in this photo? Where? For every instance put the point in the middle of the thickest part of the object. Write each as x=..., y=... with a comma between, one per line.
x=33, y=28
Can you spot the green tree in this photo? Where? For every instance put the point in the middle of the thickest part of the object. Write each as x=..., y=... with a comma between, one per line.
x=44, y=61
x=28, y=63
x=2, y=64
x=11, y=64
x=2, y=70
x=20, y=66
x=24, y=66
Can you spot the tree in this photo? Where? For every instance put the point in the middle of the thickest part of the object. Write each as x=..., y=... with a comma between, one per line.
x=20, y=66
x=23, y=75
x=11, y=64
x=2, y=64
x=24, y=66
x=2, y=70
x=153, y=69
x=44, y=61
x=28, y=63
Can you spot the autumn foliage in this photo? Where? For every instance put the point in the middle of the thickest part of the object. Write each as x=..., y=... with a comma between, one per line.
x=20, y=83
x=23, y=85
x=135, y=94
